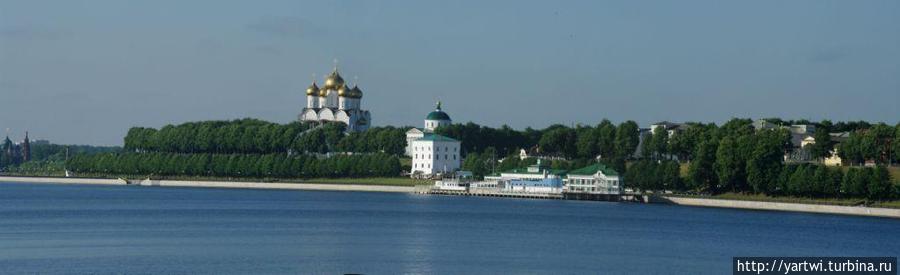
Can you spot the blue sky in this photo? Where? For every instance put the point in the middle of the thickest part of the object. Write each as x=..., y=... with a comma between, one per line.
x=85, y=71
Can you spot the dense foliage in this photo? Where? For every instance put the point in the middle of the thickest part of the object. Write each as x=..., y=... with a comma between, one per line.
x=251, y=136
x=605, y=139
x=237, y=165
x=737, y=158
x=880, y=143
x=49, y=157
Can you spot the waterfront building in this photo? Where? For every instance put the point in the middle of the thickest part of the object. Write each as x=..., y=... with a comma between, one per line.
x=432, y=154
x=593, y=179
x=336, y=101
x=460, y=181
x=433, y=120
x=535, y=178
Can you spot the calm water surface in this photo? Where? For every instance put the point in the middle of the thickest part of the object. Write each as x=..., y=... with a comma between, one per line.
x=122, y=229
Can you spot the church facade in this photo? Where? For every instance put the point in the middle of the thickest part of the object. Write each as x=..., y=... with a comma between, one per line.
x=432, y=154
x=335, y=101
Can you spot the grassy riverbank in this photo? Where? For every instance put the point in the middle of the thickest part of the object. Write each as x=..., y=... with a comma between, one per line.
x=389, y=181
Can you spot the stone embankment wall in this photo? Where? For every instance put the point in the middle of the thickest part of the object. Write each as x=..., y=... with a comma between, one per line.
x=781, y=206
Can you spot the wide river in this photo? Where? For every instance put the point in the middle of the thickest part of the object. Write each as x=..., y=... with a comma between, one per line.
x=123, y=229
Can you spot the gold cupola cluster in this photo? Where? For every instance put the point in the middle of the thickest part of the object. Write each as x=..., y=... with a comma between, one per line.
x=334, y=81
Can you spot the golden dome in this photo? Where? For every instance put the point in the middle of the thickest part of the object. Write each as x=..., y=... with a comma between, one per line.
x=344, y=91
x=334, y=80
x=312, y=90
x=323, y=92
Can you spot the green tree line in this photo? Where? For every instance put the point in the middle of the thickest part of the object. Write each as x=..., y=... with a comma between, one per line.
x=237, y=165
x=251, y=136
x=581, y=142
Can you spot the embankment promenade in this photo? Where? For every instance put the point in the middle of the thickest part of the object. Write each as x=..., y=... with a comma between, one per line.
x=216, y=184
x=780, y=206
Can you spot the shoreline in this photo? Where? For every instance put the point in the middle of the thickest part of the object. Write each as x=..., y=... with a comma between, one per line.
x=778, y=206
x=681, y=201
x=216, y=184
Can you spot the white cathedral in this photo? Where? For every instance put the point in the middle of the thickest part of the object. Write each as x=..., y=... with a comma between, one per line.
x=335, y=101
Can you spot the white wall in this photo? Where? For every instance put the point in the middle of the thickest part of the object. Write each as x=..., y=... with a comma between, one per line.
x=312, y=101
x=430, y=157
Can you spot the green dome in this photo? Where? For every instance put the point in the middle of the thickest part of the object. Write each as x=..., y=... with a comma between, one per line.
x=437, y=114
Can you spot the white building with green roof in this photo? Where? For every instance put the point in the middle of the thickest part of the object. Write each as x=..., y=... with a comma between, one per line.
x=432, y=154
x=433, y=120
x=593, y=179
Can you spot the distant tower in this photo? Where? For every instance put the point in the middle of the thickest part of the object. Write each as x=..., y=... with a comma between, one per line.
x=26, y=148
x=8, y=147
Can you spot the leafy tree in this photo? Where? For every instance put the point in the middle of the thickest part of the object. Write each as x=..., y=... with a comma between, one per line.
x=823, y=146
x=586, y=142
x=701, y=172
x=764, y=163
x=729, y=165
x=896, y=145
x=879, y=186
x=606, y=139
x=683, y=144
x=626, y=139
x=854, y=183
x=671, y=175
x=659, y=142
x=475, y=162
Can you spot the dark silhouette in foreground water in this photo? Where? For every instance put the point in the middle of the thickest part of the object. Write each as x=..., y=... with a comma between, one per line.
x=121, y=229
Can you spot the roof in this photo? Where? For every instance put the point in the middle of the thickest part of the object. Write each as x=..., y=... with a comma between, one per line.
x=593, y=169
x=667, y=124
x=840, y=137
x=797, y=139
x=415, y=130
x=437, y=115
x=525, y=171
x=435, y=137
